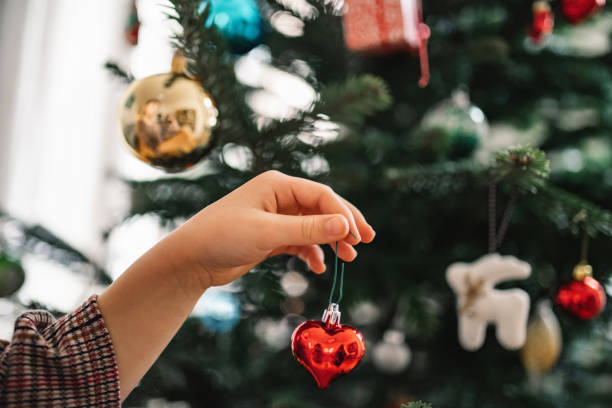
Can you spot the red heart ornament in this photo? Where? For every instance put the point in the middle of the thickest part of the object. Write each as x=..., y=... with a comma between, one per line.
x=577, y=10
x=327, y=350
x=585, y=299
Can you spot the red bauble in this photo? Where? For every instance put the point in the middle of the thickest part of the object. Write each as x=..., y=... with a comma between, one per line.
x=585, y=299
x=576, y=11
x=543, y=21
x=327, y=350
x=131, y=34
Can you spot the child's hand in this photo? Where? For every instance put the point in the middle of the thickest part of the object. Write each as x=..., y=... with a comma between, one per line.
x=271, y=214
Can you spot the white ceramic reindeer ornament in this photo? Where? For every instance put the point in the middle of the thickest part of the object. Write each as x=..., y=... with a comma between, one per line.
x=479, y=303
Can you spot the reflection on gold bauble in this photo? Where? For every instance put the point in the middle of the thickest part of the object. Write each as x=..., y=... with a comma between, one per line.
x=167, y=119
x=543, y=345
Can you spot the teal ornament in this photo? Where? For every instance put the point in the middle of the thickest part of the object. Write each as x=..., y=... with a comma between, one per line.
x=239, y=21
x=453, y=129
x=219, y=311
x=12, y=276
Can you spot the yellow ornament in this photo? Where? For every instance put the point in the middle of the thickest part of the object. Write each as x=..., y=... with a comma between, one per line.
x=543, y=345
x=167, y=119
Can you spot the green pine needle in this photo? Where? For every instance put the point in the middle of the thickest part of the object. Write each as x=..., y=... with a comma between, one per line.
x=521, y=166
x=524, y=166
x=568, y=211
x=438, y=179
x=352, y=101
x=117, y=71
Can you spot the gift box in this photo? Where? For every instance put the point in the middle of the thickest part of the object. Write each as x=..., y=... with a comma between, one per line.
x=384, y=26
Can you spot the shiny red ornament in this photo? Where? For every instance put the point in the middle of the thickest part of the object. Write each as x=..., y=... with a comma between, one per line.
x=576, y=11
x=543, y=21
x=585, y=299
x=326, y=348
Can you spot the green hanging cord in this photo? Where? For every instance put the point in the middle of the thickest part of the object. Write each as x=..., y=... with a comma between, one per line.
x=331, y=295
x=341, y=283
x=584, y=248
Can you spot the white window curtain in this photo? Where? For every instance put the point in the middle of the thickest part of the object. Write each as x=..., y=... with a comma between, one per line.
x=57, y=118
x=58, y=132
x=60, y=149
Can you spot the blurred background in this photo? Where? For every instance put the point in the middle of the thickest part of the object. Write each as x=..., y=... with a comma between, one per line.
x=460, y=128
x=62, y=160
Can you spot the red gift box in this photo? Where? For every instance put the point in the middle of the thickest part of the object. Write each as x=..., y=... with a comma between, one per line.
x=383, y=26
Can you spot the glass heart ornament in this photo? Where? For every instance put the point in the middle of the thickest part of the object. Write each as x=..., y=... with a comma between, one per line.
x=326, y=348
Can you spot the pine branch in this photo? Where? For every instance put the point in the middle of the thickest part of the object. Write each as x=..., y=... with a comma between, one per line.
x=281, y=128
x=568, y=211
x=523, y=167
x=39, y=240
x=529, y=168
x=211, y=63
x=350, y=103
x=187, y=196
x=193, y=20
x=438, y=179
x=355, y=99
x=114, y=68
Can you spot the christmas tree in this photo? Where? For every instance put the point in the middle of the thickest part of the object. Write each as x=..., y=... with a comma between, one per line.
x=505, y=151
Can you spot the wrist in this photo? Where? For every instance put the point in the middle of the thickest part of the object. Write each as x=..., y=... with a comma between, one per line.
x=183, y=269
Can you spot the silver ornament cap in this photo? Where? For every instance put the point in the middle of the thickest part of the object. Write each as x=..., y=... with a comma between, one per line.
x=332, y=314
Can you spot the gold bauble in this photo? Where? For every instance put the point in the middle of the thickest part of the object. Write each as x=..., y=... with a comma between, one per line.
x=543, y=344
x=167, y=119
x=582, y=270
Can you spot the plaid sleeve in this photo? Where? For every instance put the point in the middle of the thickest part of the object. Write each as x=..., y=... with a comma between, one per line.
x=68, y=362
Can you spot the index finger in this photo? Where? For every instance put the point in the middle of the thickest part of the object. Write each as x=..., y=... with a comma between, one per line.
x=315, y=198
x=366, y=232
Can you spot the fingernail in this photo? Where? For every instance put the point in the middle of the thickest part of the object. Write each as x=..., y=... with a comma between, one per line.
x=334, y=225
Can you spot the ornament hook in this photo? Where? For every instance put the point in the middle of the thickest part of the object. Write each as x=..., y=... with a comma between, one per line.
x=179, y=63
x=332, y=314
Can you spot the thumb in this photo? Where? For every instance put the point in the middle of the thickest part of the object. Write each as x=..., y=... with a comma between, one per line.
x=308, y=229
